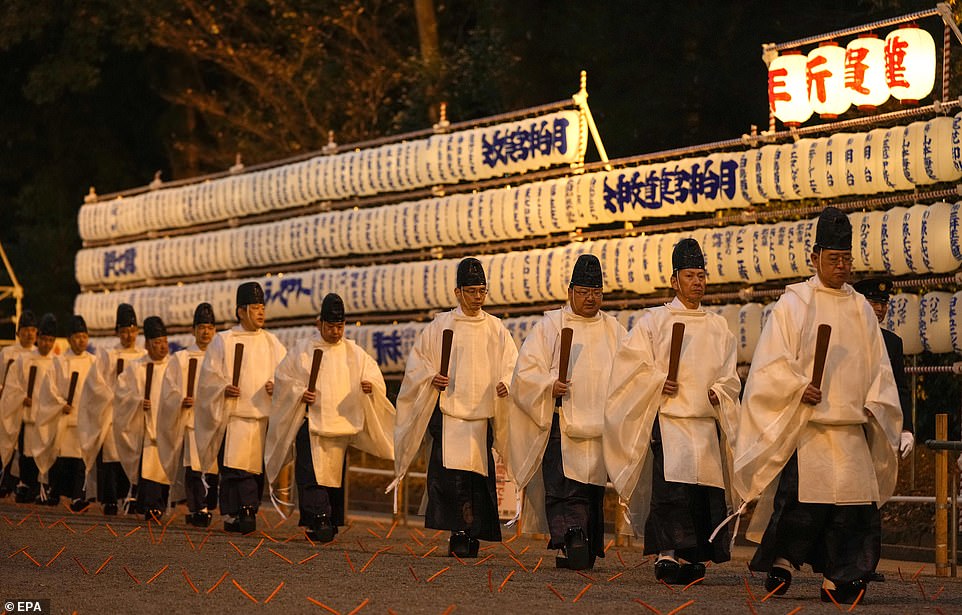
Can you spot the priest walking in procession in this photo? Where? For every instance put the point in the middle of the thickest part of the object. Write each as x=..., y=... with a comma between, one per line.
x=233, y=403
x=176, y=443
x=57, y=414
x=135, y=422
x=461, y=409
x=670, y=422
x=317, y=420
x=819, y=449
x=95, y=418
x=555, y=427
x=26, y=342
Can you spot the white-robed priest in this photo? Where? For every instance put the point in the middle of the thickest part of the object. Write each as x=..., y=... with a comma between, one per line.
x=461, y=413
x=666, y=441
x=95, y=414
x=21, y=432
x=230, y=420
x=821, y=459
x=135, y=421
x=555, y=426
x=176, y=443
x=348, y=407
x=26, y=342
x=56, y=410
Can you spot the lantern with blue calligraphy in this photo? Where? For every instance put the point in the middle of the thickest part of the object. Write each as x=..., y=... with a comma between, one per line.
x=909, y=63
x=787, y=91
x=825, y=80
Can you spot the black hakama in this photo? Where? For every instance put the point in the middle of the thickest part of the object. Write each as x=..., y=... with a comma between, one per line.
x=314, y=499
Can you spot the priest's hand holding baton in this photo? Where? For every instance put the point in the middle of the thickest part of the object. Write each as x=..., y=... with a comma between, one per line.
x=813, y=392
x=674, y=356
x=441, y=380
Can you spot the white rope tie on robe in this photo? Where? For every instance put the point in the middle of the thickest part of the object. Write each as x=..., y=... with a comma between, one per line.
x=626, y=513
x=737, y=517
x=277, y=502
x=394, y=497
x=394, y=484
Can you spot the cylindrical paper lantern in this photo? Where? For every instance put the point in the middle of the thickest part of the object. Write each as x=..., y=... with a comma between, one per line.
x=935, y=322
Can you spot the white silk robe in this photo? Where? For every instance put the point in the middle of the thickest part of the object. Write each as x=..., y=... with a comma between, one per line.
x=135, y=429
x=59, y=430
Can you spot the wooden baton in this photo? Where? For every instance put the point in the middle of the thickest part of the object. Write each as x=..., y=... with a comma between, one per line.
x=674, y=353
x=238, y=359
x=149, y=381
x=563, y=358
x=315, y=368
x=191, y=376
x=73, y=387
x=821, y=349
x=120, y=366
x=6, y=370
x=31, y=380
x=447, y=338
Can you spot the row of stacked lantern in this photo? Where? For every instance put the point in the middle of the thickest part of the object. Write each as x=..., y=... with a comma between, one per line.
x=133, y=259
x=878, y=161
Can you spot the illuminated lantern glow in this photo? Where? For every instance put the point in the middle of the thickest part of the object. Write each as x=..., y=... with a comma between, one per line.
x=865, y=72
x=909, y=63
x=825, y=81
x=787, y=92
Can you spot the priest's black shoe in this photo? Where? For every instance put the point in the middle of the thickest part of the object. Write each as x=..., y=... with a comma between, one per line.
x=247, y=519
x=668, y=570
x=78, y=505
x=778, y=580
x=110, y=509
x=875, y=577
x=461, y=545
x=321, y=529
x=844, y=593
x=691, y=572
x=23, y=495
x=199, y=519
x=153, y=514
x=577, y=550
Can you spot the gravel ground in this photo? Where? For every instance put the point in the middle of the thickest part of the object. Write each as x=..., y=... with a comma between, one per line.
x=88, y=563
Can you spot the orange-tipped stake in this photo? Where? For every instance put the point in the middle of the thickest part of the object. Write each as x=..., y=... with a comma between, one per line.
x=518, y=562
x=7, y=519
x=582, y=593
x=411, y=551
x=620, y=559
x=54, y=558
x=373, y=533
x=772, y=593
x=254, y=550
x=483, y=559
x=750, y=571
x=274, y=593
x=368, y=563
x=662, y=581
x=538, y=565
x=647, y=606
x=236, y=548
x=857, y=599
x=170, y=520
x=269, y=537
x=133, y=531
x=509, y=549
x=102, y=566
x=358, y=608
x=189, y=582
x=308, y=538
x=613, y=577
x=751, y=596
x=244, y=591
x=938, y=593
x=30, y=557
x=18, y=551
x=157, y=574
x=19, y=523
x=308, y=558
x=794, y=611
x=609, y=545
x=160, y=539
x=522, y=551
x=219, y=581
x=555, y=592
x=901, y=578
x=450, y=609
x=490, y=585
x=642, y=562
x=413, y=574
x=349, y=562
x=695, y=582
x=150, y=532
x=921, y=589
x=436, y=534
x=323, y=606
x=438, y=573
x=430, y=551
x=82, y=567
x=391, y=531
x=131, y=575
x=361, y=545
x=280, y=556
x=505, y=582
x=415, y=538
x=918, y=572
x=460, y=561
x=832, y=598
x=681, y=608
x=587, y=576
x=190, y=542
x=201, y=545
x=91, y=528
x=110, y=529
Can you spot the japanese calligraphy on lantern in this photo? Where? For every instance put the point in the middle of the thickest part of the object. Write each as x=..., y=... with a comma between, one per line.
x=864, y=73
x=675, y=184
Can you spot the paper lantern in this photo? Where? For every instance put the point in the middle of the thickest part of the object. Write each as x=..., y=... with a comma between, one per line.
x=938, y=150
x=853, y=164
x=749, y=329
x=893, y=170
x=785, y=172
x=935, y=322
x=903, y=319
x=893, y=236
x=825, y=79
x=914, y=237
x=730, y=314
x=817, y=171
x=801, y=179
x=955, y=321
x=872, y=155
x=909, y=63
x=865, y=72
x=787, y=89
x=941, y=243
x=765, y=172
x=748, y=180
x=835, y=148
x=913, y=154
x=779, y=249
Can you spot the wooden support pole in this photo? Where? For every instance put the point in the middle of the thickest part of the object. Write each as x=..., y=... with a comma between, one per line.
x=941, y=498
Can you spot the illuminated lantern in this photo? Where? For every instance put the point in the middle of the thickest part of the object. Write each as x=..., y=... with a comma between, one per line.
x=909, y=63
x=787, y=92
x=825, y=80
x=865, y=72
x=935, y=322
